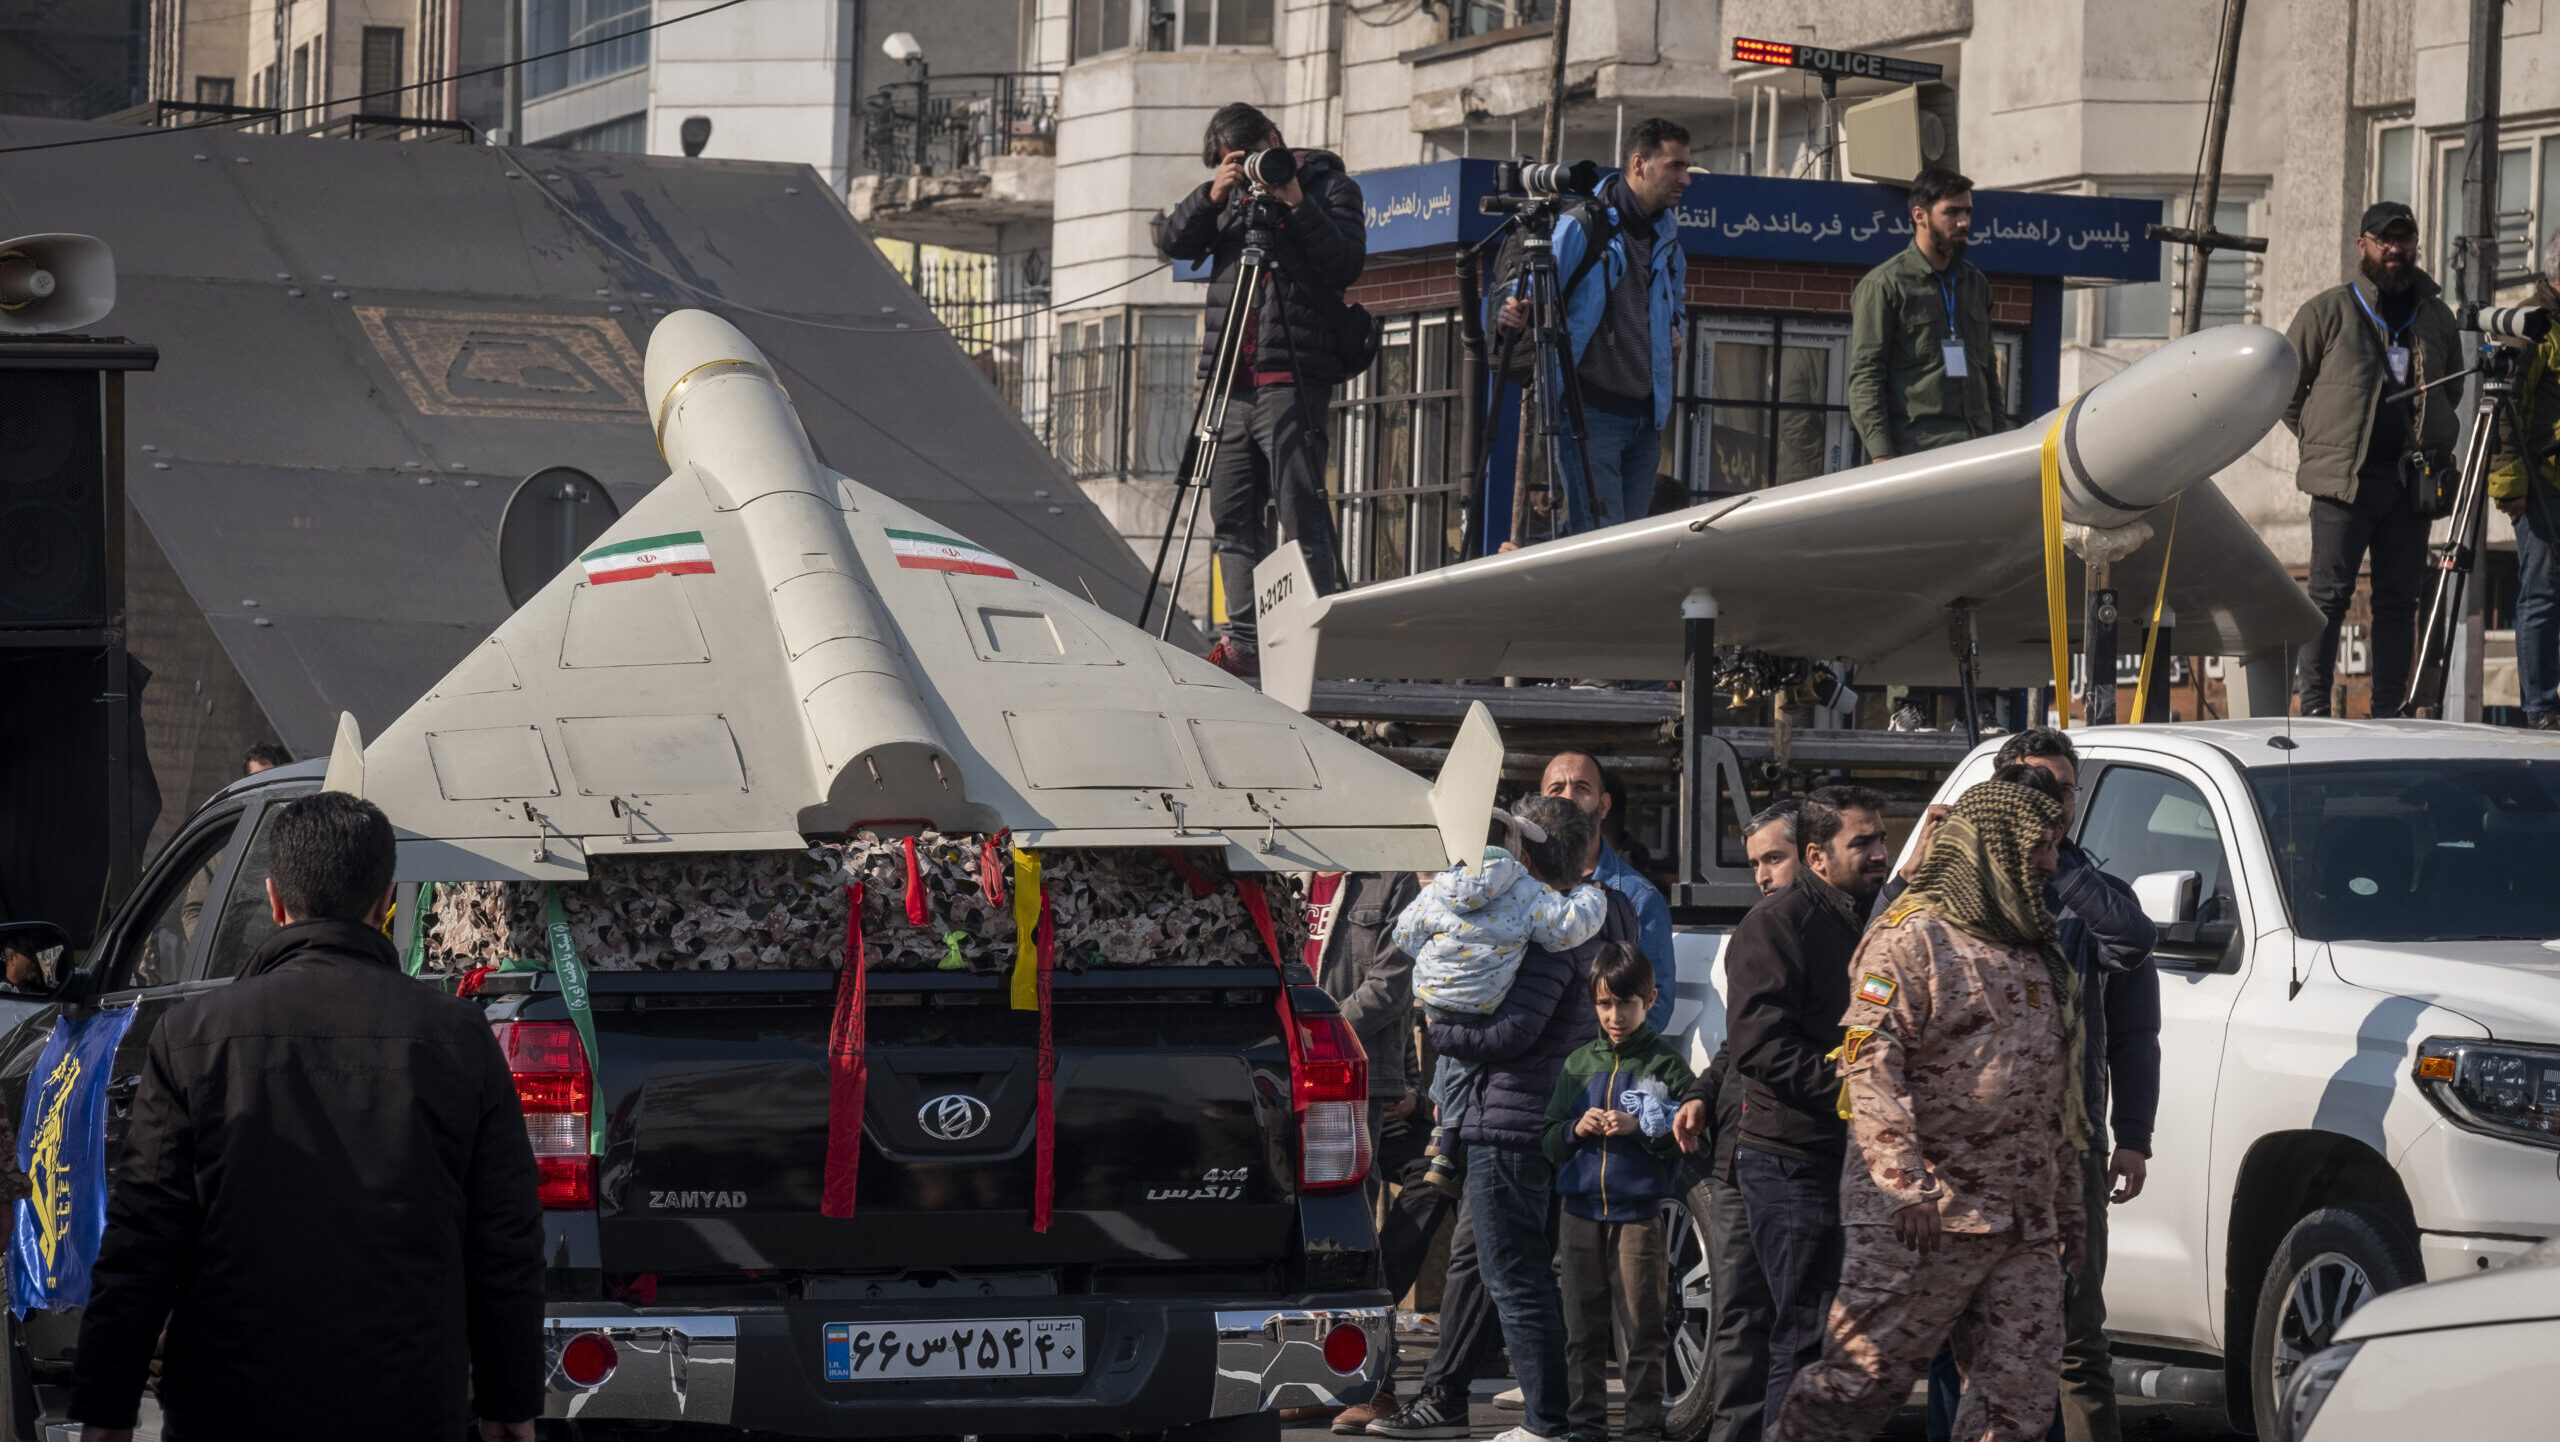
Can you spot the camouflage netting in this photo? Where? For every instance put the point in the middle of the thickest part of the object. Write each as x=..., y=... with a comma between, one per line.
x=785, y=911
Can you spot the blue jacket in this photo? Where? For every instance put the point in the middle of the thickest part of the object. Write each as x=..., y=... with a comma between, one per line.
x=1653, y=930
x=1583, y=308
x=1521, y=1047
x=1617, y=1179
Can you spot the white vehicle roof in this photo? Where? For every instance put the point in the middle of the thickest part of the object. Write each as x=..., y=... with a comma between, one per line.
x=2254, y=743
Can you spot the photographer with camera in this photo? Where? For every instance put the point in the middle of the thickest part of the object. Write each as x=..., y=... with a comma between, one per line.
x=2372, y=465
x=1299, y=341
x=2526, y=485
x=1625, y=297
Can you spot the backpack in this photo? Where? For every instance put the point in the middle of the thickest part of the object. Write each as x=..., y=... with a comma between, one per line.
x=1596, y=223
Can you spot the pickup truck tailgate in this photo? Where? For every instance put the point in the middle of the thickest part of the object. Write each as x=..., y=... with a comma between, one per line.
x=1173, y=1145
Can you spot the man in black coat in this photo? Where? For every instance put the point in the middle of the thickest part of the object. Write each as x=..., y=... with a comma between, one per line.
x=1787, y=984
x=1271, y=450
x=327, y=1196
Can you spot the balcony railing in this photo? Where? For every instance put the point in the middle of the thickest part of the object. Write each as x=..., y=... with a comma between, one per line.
x=937, y=124
x=272, y=121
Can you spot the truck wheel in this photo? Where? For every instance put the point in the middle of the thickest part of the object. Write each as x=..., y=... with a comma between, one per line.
x=1689, y=1315
x=2333, y=1261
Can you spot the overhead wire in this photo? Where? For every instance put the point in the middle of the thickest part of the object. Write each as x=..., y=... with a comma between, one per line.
x=226, y=121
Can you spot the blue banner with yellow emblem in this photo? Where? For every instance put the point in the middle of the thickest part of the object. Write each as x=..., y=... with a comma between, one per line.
x=62, y=1147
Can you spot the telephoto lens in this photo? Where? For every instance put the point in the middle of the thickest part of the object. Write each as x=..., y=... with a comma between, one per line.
x=2515, y=324
x=1580, y=177
x=1271, y=168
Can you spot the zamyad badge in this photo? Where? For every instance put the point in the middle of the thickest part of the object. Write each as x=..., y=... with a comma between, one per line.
x=1874, y=988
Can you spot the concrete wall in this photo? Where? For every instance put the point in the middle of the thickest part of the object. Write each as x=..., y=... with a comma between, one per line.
x=775, y=78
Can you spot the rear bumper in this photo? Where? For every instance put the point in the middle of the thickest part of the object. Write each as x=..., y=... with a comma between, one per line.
x=1156, y=1363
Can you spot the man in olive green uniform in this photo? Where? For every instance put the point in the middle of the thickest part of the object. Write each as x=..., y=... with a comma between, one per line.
x=1922, y=371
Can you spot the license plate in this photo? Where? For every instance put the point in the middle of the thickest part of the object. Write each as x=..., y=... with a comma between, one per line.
x=917, y=1350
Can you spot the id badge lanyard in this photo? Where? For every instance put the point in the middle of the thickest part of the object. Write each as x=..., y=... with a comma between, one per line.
x=1951, y=350
x=2395, y=354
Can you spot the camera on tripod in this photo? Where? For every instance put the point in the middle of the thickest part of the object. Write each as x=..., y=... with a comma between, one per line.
x=1527, y=187
x=1268, y=170
x=2508, y=325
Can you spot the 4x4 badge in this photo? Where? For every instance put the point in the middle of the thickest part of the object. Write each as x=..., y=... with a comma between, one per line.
x=954, y=1117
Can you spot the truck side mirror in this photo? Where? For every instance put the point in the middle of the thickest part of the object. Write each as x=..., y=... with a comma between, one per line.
x=2168, y=897
x=35, y=960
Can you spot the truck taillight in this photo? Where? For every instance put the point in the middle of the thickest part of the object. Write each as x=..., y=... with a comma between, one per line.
x=1330, y=1080
x=556, y=1092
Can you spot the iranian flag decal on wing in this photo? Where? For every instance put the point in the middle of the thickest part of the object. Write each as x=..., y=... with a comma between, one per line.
x=925, y=551
x=681, y=554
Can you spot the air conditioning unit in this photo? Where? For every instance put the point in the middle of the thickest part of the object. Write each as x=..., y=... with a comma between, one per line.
x=1895, y=137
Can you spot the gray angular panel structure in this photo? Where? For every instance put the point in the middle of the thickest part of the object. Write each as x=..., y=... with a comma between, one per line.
x=352, y=330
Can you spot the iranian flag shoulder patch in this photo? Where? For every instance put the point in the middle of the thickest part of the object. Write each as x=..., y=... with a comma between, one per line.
x=681, y=553
x=929, y=551
x=1874, y=988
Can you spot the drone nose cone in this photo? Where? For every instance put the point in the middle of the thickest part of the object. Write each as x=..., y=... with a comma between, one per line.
x=2173, y=418
x=684, y=344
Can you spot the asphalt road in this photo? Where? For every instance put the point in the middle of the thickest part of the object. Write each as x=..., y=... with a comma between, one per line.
x=2143, y=1420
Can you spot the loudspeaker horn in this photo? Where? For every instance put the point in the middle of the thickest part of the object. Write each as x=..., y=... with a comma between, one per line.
x=55, y=282
x=1895, y=137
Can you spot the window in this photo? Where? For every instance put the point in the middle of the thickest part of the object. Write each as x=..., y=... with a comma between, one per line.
x=2517, y=206
x=301, y=76
x=2395, y=160
x=1392, y=464
x=2141, y=822
x=2147, y=311
x=382, y=56
x=1103, y=26
x=1763, y=402
x=2399, y=851
x=247, y=921
x=157, y=954
x=556, y=24
x=1483, y=17
x=213, y=90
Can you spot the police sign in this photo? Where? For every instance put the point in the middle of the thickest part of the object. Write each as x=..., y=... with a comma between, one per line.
x=1836, y=64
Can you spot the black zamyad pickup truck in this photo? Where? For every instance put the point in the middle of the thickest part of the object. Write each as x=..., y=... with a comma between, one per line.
x=1210, y=1257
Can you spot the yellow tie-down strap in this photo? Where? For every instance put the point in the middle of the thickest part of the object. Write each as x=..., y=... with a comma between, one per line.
x=1026, y=930
x=2057, y=611
x=2159, y=606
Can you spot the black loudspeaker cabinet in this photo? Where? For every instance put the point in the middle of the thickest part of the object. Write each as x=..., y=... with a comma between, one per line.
x=55, y=532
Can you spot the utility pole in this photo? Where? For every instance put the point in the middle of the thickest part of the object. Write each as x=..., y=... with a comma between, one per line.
x=2199, y=231
x=2477, y=265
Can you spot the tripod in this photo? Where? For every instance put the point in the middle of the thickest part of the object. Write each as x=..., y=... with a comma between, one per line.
x=1552, y=378
x=1209, y=413
x=2455, y=559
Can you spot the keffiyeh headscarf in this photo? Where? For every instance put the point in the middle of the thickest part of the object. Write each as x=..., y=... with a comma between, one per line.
x=1979, y=877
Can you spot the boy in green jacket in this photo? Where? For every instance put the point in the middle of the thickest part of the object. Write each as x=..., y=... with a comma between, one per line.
x=1609, y=1134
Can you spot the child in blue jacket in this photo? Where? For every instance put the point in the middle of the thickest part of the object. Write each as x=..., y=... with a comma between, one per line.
x=1609, y=1134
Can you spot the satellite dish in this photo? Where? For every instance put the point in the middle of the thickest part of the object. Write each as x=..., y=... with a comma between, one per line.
x=556, y=513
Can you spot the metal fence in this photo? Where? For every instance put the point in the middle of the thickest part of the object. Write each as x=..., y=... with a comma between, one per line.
x=994, y=305
x=939, y=124
x=1122, y=407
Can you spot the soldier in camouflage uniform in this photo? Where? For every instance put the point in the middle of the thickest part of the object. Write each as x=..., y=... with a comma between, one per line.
x=1961, y=1198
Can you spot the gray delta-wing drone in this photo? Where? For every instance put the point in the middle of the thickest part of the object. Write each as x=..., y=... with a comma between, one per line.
x=1865, y=565
x=764, y=650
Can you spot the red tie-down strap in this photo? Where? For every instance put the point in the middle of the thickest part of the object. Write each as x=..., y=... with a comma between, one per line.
x=1200, y=885
x=847, y=1072
x=916, y=913
x=991, y=866
x=1257, y=903
x=1044, y=1177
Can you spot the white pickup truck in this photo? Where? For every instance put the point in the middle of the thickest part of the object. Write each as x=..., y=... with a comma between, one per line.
x=2360, y=1029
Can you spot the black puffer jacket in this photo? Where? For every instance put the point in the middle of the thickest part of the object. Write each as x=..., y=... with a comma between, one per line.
x=327, y=1197
x=1522, y=1045
x=1323, y=244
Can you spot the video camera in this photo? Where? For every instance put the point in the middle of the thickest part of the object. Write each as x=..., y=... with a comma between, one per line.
x=1526, y=187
